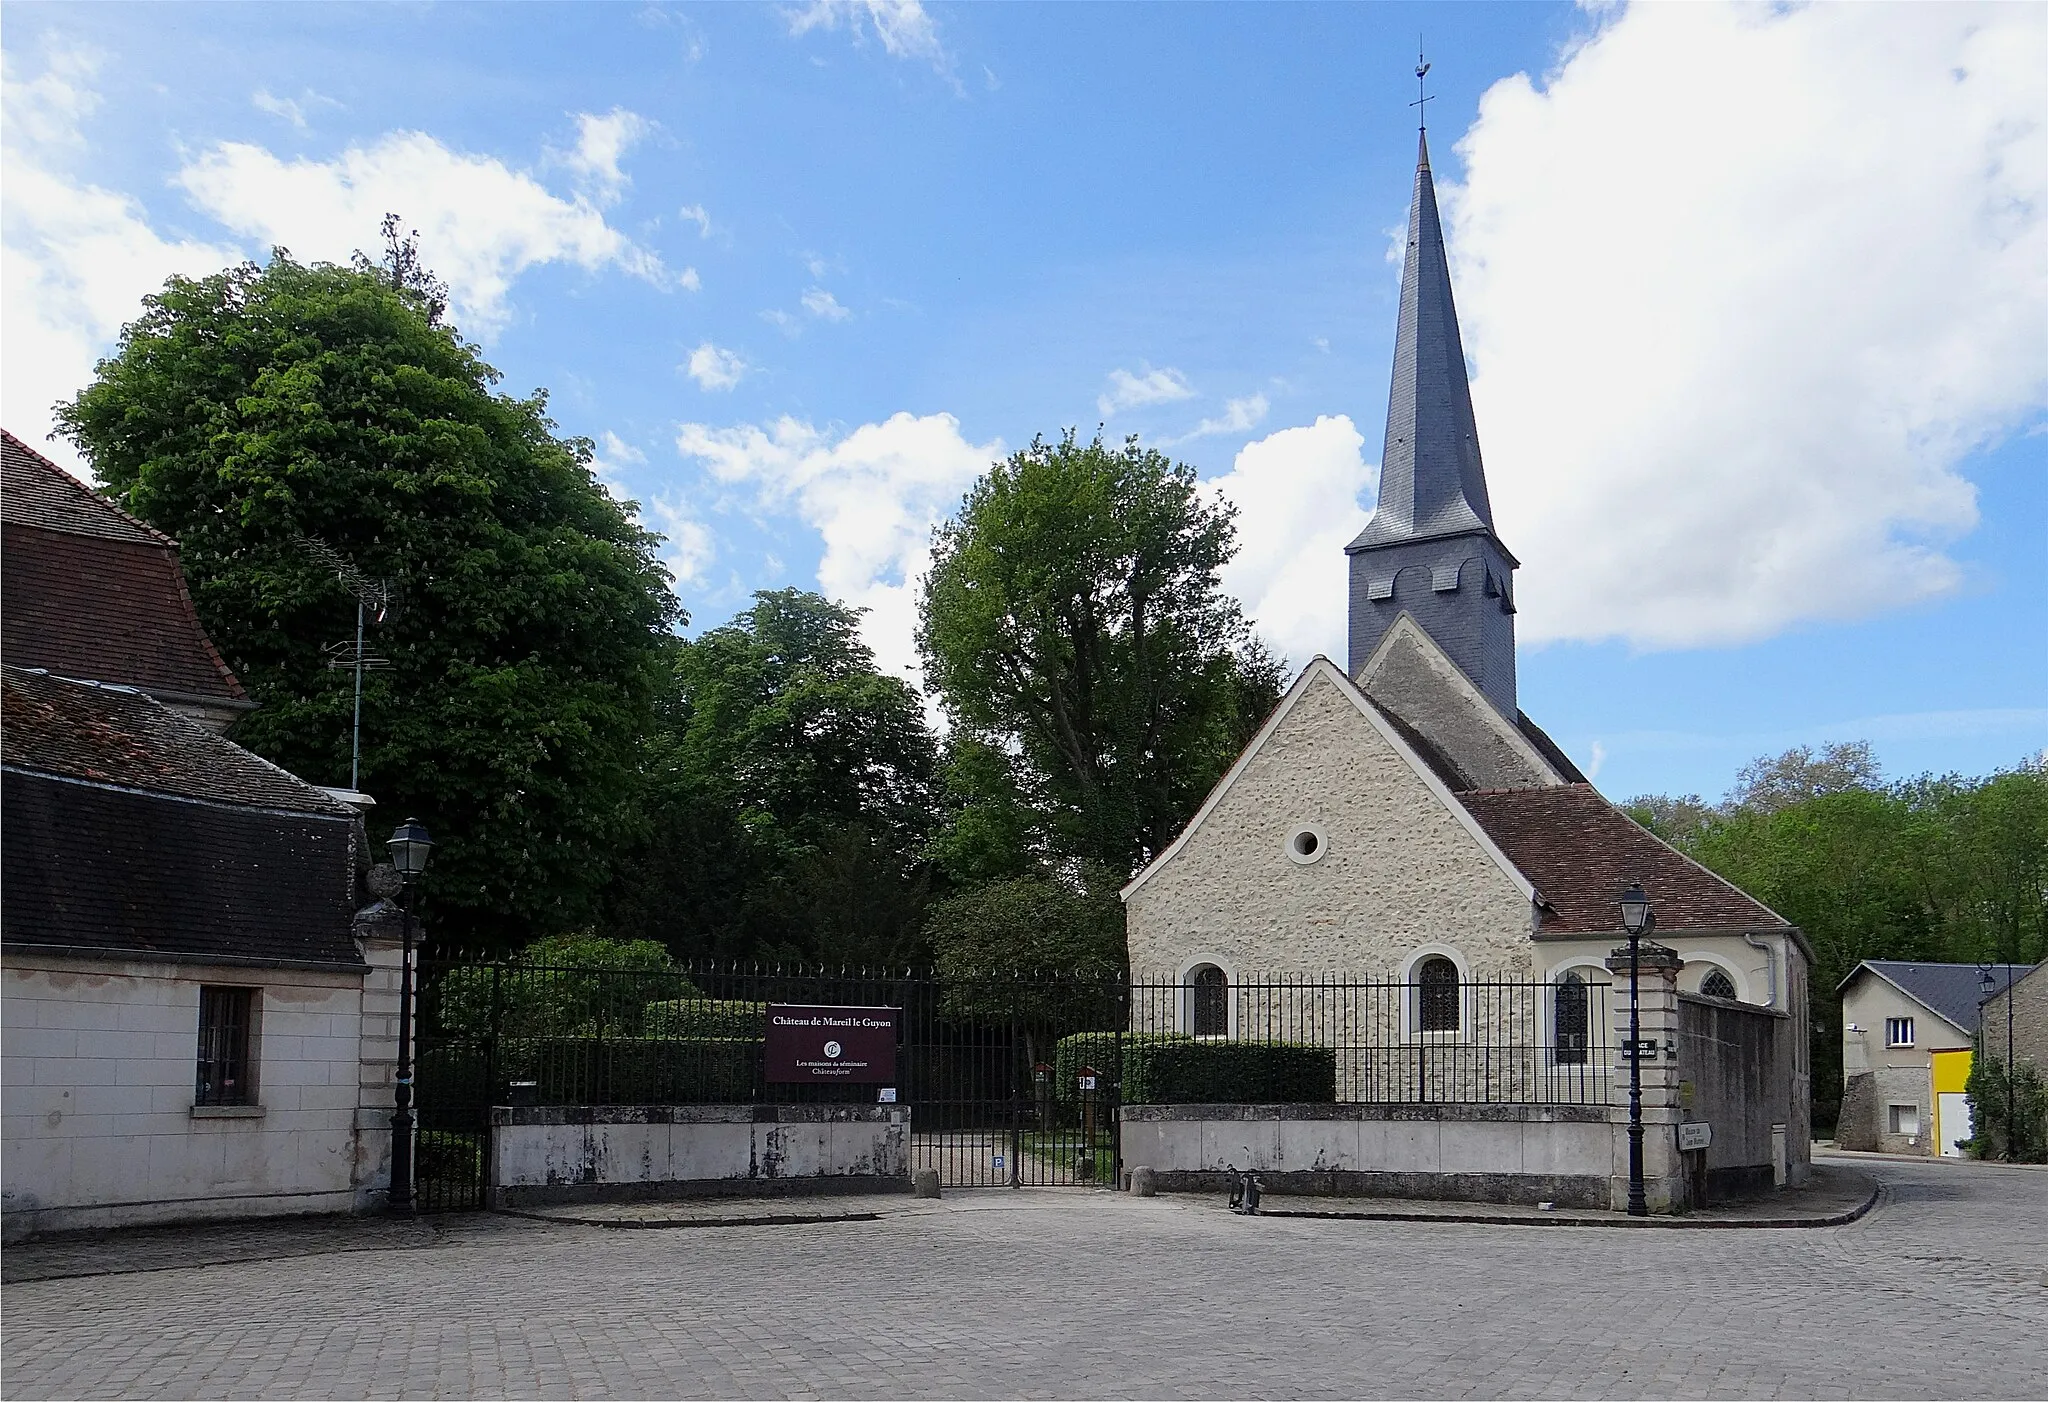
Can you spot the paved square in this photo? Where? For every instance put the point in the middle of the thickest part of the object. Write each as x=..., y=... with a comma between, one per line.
x=1941, y=1291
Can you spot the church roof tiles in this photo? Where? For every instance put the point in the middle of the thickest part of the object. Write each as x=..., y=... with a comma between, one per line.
x=1580, y=852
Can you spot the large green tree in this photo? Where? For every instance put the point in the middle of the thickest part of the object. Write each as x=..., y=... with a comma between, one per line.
x=1098, y=679
x=248, y=412
x=791, y=794
x=1944, y=869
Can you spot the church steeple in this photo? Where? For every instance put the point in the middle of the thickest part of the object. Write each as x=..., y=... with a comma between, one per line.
x=1430, y=549
x=1431, y=479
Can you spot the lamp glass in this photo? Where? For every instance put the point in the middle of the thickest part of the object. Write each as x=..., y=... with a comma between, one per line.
x=410, y=847
x=1635, y=909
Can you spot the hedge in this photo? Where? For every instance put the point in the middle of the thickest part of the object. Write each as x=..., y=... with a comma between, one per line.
x=704, y=1017
x=1100, y=1050
x=1187, y=1071
x=634, y=1070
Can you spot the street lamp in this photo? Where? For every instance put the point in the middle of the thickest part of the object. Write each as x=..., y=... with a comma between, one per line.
x=1638, y=919
x=1987, y=983
x=410, y=847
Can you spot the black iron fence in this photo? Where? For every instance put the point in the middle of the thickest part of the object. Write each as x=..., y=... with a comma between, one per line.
x=1010, y=1079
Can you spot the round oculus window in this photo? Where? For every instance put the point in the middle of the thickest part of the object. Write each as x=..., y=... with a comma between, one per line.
x=1306, y=845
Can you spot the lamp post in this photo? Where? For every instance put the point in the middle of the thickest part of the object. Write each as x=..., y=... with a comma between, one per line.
x=1987, y=983
x=410, y=847
x=1638, y=919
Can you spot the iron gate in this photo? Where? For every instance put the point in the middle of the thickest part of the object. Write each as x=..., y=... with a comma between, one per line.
x=977, y=1060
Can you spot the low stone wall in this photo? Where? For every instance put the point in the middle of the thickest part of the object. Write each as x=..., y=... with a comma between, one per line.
x=621, y=1153
x=1467, y=1153
x=1736, y=1064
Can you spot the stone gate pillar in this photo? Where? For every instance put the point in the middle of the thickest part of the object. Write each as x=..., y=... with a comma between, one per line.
x=378, y=934
x=1657, y=1014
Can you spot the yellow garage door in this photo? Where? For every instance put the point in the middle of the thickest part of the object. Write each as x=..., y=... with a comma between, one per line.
x=1951, y=1106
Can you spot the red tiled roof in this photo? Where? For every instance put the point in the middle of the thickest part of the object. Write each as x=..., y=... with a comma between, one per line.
x=1580, y=852
x=88, y=591
x=116, y=735
x=36, y=492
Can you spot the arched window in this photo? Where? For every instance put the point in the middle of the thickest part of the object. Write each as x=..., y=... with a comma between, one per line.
x=1436, y=995
x=1571, y=1021
x=1717, y=984
x=1210, y=994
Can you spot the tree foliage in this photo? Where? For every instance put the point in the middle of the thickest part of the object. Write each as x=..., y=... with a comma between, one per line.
x=250, y=410
x=1098, y=679
x=993, y=948
x=1944, y=869
x=792, y=787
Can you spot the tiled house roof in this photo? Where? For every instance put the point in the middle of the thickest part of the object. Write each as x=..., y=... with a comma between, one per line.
x=1580, y=852
x=132, y=830
x=91, y=592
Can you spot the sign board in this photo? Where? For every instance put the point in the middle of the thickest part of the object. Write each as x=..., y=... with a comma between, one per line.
x=1087, y=1082
x=1695, y=1136
x=812, y=1042
x=1646, y=1049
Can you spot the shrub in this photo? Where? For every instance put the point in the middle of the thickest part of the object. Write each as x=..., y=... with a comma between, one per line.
x=635, y=1070
x=559, y=985
x=1991, y=1136
x=704, y=1017
x=1187, y=1071
x=1100, y=1050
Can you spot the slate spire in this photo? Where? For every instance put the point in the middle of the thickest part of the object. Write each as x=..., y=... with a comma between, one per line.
x=1431, y=480
x=1430, y=550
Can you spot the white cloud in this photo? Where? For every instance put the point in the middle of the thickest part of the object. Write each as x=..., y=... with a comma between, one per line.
x=1239, y=415
x=1734, y=335
x=1296, y=493
x=688, y=548
x=481, y=222
x=1128, y=391
x=601, y=143
x=75, y=259
x=873, y=495
x=905, y=27
x=696, y=214
x=823, y=305
x=782, y=321
x=614, y=455
x=283, y=107
x=714, y=368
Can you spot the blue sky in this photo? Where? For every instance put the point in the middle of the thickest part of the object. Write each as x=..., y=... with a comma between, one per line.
x=1756, y=300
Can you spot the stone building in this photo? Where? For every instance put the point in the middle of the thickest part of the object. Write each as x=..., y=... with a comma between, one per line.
x=197, y=1021
x=1909, y=1032
x=1402, y=820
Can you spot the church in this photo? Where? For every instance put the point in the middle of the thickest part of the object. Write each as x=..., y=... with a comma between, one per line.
x=1400, y=818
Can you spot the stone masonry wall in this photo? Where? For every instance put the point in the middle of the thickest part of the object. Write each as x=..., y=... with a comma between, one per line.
x=100, y=1126
x=1399, y=870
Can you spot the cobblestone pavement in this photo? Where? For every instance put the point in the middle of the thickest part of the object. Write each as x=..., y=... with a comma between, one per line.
x=1942, y=1291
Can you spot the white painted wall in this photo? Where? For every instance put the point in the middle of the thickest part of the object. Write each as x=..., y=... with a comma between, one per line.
x=99, y=1123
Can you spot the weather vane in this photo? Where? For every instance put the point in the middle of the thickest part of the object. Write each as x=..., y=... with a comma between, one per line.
x=1421, y=97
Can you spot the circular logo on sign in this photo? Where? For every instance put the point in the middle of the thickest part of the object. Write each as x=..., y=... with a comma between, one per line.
x=831, y=1048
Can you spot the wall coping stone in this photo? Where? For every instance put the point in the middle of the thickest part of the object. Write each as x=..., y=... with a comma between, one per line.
x=1520, y=1112
x=550, y=1115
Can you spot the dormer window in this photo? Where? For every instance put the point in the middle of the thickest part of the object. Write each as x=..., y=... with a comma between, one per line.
x=1444, y=579
x=1380, y=589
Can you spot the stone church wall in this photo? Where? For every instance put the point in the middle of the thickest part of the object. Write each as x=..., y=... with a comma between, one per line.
x=1399, y=872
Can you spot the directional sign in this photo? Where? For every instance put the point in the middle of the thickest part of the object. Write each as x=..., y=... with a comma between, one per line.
x=1695, y=1136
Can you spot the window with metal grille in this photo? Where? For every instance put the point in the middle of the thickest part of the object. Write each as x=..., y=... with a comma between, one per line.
x=1211, y=992
x=1898, y=1031
x=224, y=1018
x=1436, y=995
x=1717, y=984
x=1571, y=1018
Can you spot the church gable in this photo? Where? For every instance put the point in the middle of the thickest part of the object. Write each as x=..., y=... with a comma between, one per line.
x=1416, y=681
x=1330, y=845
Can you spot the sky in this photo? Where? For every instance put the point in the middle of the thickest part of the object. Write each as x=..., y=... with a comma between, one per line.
x=1755, y=299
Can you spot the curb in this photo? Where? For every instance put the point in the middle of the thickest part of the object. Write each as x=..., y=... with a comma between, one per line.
x=1501, y=1219
x=758, y=1219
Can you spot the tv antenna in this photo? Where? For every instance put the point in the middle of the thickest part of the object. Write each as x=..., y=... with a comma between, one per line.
x=373, y=605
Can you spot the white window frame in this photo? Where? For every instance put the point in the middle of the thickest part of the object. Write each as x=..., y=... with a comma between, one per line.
x=1411, y=996
x=1898, y=1032
x=1892, y=1118
x=1184, y=996
x=1735, y=975
x=1597, y=1036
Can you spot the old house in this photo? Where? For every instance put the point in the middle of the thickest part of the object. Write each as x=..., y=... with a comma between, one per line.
x=1908, y=1037
x=196, y=1023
